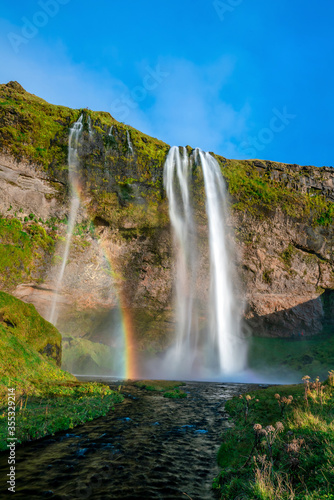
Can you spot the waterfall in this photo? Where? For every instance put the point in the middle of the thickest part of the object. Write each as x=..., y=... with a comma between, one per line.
x=176, y=173
x=73, y=139
x=219, y=349
x=90, y=130
x=129, y=143
x=225, y=324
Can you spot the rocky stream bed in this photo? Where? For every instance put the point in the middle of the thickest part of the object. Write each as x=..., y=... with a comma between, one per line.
x=148, y=447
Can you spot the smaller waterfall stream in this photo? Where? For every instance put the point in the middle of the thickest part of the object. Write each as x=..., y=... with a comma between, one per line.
x=219, y=349
x=73, y=139
x=129, y=143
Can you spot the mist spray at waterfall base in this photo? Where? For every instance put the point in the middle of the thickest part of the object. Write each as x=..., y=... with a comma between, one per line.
x=218, y=350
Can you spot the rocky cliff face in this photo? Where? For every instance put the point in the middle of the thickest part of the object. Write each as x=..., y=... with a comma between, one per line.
x=281, y=220
x=287, y=253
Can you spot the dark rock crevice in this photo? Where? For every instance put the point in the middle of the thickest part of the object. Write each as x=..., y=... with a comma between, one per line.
x=310, y=318
x=309, y=251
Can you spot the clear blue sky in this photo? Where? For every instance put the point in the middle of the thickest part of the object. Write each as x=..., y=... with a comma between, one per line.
x=243, y=78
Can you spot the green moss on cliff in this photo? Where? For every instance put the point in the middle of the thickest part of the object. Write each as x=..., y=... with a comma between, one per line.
x=288, y=254
x=21, y=364
x=23, y=248
x=255, y=192
x=82, y=356
x=23, y=322
x=34, y=130
x=290, y=359
x=130, y=218
x=30, y=347
x=258, y=193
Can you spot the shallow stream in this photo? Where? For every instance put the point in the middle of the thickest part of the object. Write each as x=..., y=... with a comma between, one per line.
x=148, y=447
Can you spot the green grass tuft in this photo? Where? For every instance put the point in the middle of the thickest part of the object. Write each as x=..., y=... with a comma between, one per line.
x=176, y=394
x=158, y=385
x=291, y=456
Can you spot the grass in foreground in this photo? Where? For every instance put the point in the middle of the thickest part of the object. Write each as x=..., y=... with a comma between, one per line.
x=52, y=407
x=282, y=444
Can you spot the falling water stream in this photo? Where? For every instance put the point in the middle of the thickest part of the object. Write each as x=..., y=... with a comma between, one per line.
x=129, y=143
x=181, y=216
x=219, y=350
x=73, y=140
x=224, y=328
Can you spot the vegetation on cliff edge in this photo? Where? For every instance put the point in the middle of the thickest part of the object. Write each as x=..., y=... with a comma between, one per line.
x=260, y=194
x=37, y=131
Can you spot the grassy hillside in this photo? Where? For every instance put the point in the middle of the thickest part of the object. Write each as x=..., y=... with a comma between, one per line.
x=85, y=357
x=35, y=130
x=21, y=325
x=287, y=360
x=47, y=398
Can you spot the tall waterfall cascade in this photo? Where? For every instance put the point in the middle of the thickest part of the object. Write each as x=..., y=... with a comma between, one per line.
x=217, y=348
x=73, y=141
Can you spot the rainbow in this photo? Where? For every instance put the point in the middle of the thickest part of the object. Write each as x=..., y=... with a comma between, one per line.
x=130, y=364
x=130, y=370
